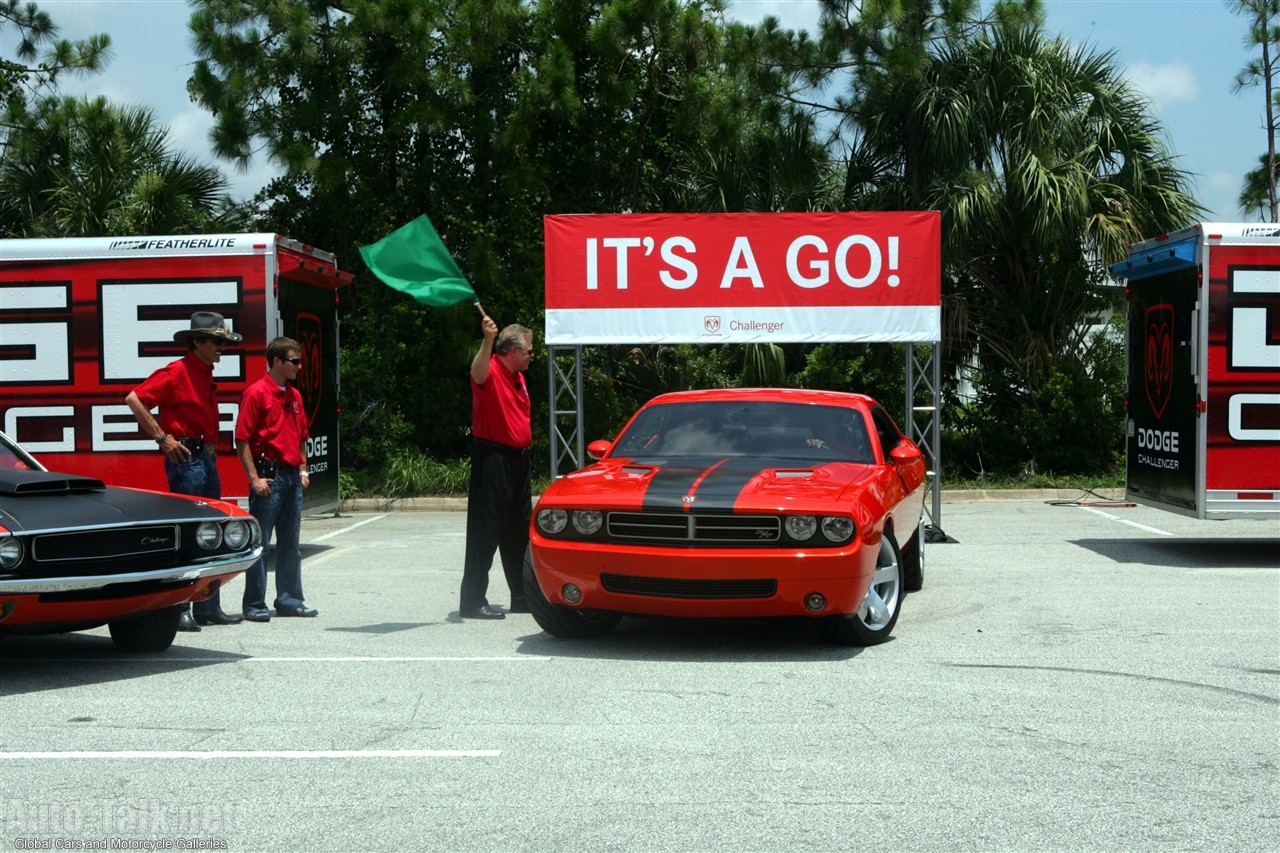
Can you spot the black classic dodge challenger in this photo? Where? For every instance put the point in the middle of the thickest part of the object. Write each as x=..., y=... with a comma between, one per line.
x=77, y=554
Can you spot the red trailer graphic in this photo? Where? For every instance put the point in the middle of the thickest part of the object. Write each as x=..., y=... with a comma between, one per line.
x=1204, y=371
x=83, y=321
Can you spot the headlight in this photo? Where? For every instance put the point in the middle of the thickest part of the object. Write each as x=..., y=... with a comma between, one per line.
x=237, y=535
x=10, y=552
x=209, y=535
x=837, y=528
x=801, y=527
x=587, y=521
x=552, y=521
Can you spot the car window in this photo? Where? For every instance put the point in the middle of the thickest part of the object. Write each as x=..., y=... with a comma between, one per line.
x=10, y=459
x=886, y=431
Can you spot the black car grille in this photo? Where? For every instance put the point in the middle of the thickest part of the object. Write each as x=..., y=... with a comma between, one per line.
x=683, y=588
x=108, y=544
x=678, y=528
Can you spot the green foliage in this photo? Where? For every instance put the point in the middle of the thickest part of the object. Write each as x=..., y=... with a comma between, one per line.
x=410, y=472
x=1072, y=423
x=84, y=168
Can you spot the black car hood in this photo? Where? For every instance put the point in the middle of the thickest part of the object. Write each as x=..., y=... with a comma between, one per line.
x=45, y=500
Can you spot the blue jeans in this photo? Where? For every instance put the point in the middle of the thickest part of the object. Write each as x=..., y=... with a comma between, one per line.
x=281, y=511
x=197, y=476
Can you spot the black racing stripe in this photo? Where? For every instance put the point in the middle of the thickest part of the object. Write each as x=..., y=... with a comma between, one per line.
x=673, y=481
x=718, y=492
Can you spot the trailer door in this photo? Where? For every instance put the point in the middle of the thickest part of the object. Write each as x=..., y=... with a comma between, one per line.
x=1163, y=360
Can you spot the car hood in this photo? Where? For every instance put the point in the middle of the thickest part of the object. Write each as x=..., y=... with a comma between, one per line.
x=708, y=484
x=44, y=500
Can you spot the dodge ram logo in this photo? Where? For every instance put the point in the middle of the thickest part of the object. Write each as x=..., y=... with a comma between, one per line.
x=309, y=336
x=1158, y=357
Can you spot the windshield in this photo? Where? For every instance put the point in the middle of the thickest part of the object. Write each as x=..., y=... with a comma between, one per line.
x=13, y=457
x=801, y=430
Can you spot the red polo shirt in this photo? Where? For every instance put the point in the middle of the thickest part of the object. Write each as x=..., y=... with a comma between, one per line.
x=272, y=421
x=500, y=409
x=185, y=392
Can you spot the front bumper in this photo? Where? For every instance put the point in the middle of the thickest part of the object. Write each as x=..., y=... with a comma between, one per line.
x=38, y=605
x=686, y=582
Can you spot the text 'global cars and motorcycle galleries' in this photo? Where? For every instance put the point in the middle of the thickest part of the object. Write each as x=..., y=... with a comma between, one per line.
x=739, y=503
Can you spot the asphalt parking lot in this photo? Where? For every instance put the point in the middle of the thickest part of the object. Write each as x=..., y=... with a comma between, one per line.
x=1071, y=678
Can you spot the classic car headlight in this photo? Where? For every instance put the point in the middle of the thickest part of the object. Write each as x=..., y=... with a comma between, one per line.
x=587, y=521
x=209, y=535
x=236, y=533
x=801, y=527
x=837, y=528
x=552, y=521
x=10, y=552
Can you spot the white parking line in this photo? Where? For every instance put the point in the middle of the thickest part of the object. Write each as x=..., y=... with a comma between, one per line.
x=348, y=528
x=1126, y=521
x=265, y=753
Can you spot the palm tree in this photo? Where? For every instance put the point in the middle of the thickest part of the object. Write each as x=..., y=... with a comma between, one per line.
x=81, y=167
x=1045, y=165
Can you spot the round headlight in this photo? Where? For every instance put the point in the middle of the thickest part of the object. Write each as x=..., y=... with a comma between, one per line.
x=587, y=521
x=552, y=521
x=237, y=534
x=10, y=552
x=837, y=528
x=209, y=535
x=801, y=527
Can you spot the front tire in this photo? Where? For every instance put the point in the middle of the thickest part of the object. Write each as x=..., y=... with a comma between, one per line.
x=558, y=620
x=152, y=632
x=875, y=617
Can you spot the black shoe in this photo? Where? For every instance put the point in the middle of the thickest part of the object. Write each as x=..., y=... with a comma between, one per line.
x=297, y=610
x=258, y=615
x=219, y=618
x=485, y=612
x=187, y=623
x=518, y=605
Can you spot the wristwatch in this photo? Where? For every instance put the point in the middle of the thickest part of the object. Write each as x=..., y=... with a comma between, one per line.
x=162, y=439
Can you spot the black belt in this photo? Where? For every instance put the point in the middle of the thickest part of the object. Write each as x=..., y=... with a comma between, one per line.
x=501, y=448
x=199, y=445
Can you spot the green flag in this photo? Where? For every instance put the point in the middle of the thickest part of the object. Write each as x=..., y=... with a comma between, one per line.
x=414, y=259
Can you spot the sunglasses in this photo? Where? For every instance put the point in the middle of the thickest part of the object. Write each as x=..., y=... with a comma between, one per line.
x=296, y=362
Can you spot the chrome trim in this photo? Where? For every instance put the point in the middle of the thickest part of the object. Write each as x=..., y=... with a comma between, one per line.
x=150, y=522
x=195, y=571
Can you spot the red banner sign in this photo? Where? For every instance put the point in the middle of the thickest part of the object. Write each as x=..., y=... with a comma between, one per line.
x=743, y=278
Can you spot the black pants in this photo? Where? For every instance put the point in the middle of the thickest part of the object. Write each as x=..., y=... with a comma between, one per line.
x=499, y=501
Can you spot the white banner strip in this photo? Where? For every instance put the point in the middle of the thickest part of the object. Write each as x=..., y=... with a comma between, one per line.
x=833, y=324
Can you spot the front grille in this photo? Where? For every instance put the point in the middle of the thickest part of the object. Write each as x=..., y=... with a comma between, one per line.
x=105, y=544
x=680, y=528
x=682, y=588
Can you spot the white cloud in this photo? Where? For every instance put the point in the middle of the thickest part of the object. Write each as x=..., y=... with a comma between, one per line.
x=1165, y=83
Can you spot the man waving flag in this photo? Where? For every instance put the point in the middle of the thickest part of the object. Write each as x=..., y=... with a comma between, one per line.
x=413, y=259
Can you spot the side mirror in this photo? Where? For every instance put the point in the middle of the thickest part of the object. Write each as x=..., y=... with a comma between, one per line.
x=598, y=448
x=906, y=454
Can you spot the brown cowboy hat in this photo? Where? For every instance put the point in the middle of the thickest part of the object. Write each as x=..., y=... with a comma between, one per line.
x=208, y=324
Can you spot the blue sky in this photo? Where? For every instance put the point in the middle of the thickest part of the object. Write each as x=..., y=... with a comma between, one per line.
x=1183, y=54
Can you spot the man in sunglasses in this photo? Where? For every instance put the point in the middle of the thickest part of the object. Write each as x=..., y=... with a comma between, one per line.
x=186, y=428
x=271, y=436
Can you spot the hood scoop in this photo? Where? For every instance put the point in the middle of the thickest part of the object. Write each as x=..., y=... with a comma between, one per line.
x=43, y=483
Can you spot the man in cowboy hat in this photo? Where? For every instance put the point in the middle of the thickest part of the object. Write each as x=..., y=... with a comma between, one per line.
x=186, y=428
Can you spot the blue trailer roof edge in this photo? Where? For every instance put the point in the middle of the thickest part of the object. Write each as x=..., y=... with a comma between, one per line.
x=1156, y=260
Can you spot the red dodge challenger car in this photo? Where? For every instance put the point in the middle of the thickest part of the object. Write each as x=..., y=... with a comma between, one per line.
x=76, y=554
x=737, y=503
